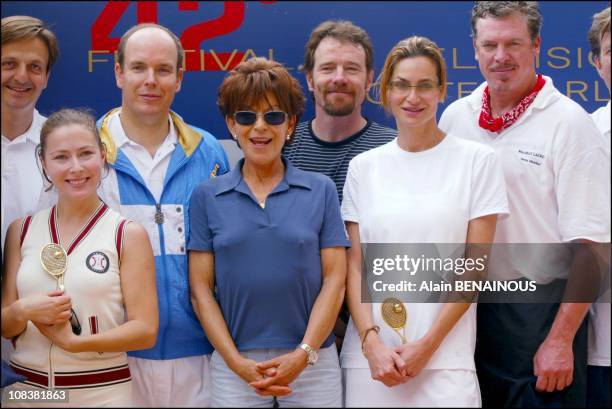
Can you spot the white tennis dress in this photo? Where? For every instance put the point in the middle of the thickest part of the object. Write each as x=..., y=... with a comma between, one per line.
x=93, y=282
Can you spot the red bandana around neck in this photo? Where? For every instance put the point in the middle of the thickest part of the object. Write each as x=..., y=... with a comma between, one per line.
x=488, y=122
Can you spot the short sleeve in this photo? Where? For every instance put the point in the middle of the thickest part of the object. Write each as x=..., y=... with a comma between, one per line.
x=488, y=186
x=349, y=199
x=582, y=184
x=443, y=123
x=200, y=236
x=333, y=233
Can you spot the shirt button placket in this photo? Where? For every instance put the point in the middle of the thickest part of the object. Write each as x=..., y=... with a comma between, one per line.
x=180, y=229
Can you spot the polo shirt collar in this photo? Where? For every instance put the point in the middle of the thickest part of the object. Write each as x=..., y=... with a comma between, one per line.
x=121, y=138
x=33, y=133
x=292, y=177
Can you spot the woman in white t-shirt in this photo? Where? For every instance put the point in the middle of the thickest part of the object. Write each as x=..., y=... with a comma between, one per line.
x=423, y=187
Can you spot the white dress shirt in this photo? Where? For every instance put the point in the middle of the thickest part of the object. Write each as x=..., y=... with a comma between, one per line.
x=22, y=181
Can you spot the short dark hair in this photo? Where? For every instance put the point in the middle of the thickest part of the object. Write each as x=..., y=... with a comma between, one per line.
x=343, y=31
x=251, y=81
x=16, y=28
x=528, y=9
x=180, y=53
x=600, y=26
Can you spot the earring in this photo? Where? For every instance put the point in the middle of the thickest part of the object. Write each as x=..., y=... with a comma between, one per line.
x=235, y=137
x=288, y=136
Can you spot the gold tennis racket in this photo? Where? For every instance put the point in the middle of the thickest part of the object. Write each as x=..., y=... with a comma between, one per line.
x=395, y=316
x=54, y=260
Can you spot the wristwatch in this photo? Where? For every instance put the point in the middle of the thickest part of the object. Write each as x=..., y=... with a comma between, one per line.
x=312, y=354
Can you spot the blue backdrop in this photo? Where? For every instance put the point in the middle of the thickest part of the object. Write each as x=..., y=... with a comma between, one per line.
x=220, y=34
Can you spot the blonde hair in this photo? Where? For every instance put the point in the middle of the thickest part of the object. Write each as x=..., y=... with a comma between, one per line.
x=411, y=47
x=600, y=26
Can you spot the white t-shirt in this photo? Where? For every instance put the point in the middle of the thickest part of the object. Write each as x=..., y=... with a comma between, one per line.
x=557, y=175
x=22, y=181
x=600, y=313
x=422, y=197
x=152, y=168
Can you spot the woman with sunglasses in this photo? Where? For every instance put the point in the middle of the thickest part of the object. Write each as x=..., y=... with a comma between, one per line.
x=79, y=289
x=424, y=187
x=267, y=262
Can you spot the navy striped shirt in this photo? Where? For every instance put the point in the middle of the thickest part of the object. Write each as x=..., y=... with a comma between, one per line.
x=307, y=152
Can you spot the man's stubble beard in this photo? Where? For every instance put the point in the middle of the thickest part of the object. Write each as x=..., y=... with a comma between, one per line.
x=339, y=110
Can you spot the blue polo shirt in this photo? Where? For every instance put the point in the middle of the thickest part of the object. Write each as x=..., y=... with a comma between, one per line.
x=267, y=261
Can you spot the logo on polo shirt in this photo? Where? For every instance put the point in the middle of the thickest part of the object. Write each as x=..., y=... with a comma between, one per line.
x=97, y=262
x=529, y=156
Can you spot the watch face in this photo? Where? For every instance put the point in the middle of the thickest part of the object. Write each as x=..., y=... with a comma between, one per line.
x=313, y=356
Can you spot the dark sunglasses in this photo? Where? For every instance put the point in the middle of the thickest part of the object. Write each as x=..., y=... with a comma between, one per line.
x=250, y=117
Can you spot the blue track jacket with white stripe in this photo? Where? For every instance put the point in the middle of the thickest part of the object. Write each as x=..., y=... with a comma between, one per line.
x=197, y=157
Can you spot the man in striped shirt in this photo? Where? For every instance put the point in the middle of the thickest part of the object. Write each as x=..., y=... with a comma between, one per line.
x=339, y=68
x=338, y=63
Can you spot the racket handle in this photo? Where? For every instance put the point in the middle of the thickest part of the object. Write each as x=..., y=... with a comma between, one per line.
x=74, y=323
x=402, y=336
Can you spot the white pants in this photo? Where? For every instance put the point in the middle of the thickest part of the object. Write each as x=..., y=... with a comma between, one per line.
x=318, y=385
x=431, y=388
x=182, y=382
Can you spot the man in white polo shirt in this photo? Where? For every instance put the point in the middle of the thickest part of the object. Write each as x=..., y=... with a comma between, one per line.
x=29, y=50
x=599, y=324
x=557, y=176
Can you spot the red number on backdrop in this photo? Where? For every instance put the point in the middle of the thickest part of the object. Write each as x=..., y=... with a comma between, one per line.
x=104, y=24
x=191, y=38
x=146, y=12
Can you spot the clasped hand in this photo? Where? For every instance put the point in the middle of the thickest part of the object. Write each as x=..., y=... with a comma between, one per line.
x=272, y=377
x=50, y=313
x=51, y=308
x=394, y=366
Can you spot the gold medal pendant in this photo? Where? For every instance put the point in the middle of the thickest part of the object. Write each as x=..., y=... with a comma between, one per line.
x=395, y=316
